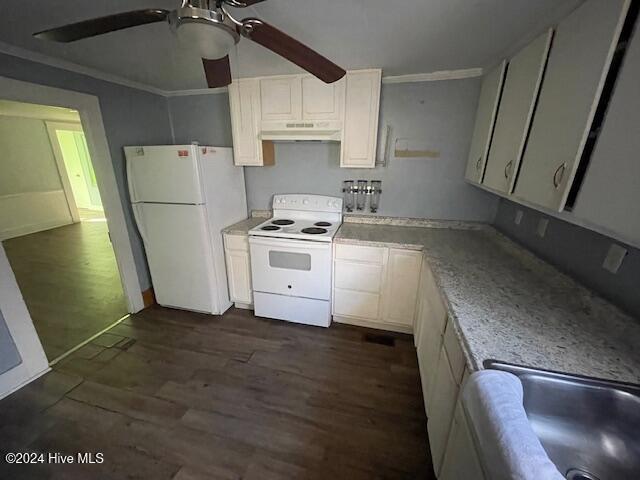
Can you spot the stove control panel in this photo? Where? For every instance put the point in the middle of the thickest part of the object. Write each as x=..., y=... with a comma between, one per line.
x=310, y=203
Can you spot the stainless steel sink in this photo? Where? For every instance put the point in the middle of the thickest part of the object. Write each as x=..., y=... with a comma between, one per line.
x=590, y=428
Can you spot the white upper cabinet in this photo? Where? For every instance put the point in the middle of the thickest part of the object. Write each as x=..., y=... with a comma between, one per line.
x=322, y=101
x=294, y=107
x=579, y=61
x=614, y=169
x=485, y=120
x=521, y=87
x=244, y=101
x=281, y=98
x=360, y=130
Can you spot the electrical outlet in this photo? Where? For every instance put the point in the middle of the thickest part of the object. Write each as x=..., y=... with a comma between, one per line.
x=518, y=219
x=614, y=258
x=543, y=223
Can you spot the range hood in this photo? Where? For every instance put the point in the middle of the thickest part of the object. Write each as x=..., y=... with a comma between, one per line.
x=320, y=130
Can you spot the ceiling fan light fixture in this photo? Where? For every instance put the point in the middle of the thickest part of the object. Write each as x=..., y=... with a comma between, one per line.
x=205, y=31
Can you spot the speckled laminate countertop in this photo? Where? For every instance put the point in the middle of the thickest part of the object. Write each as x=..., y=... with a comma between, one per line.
x=243, y=227
x=509, y=305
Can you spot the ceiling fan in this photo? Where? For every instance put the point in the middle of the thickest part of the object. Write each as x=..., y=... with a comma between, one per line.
x=208, y=26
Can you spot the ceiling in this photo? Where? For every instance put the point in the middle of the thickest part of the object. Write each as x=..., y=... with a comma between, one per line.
x=400, y=36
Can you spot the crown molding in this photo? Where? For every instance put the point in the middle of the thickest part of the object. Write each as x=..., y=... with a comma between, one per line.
x=196, y=91
x=76, y=68
x=413, y=78
x=108, y=77
x=434, y=76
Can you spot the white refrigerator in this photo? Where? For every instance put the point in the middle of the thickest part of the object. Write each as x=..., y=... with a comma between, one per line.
x=182, y=197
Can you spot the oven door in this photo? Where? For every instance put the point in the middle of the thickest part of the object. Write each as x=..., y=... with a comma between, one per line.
x=295, y=268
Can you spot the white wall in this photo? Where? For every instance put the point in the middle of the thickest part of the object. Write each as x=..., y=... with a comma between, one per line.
x=31, y=194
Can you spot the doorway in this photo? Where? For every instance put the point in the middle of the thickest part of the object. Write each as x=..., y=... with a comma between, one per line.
x=74, y=162
x=53, y=226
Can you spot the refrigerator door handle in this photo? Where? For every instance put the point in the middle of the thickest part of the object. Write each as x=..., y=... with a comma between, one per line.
x=132, y=186
x=138, y=216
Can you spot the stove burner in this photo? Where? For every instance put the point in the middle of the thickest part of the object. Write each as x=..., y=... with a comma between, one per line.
x=270, y=227
x=322, y=224
x=283, y=222
x=314, y=230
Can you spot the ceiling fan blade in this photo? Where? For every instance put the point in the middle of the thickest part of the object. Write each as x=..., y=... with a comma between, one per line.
x=241, y=3
x=288, y=47
x=98, y=26
x=218, y=72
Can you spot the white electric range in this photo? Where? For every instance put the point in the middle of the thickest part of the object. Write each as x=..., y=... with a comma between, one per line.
x=291, y=259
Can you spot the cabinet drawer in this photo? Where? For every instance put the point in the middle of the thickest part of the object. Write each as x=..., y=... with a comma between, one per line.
x=360, y=253
x=358, y=276
x=454, y=352
x=356, y=304
x=236, y=242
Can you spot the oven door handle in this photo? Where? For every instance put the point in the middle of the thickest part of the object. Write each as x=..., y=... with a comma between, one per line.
x=281, y=243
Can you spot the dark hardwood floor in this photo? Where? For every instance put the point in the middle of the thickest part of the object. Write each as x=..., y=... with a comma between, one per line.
x=176, y=395
x=69, y=279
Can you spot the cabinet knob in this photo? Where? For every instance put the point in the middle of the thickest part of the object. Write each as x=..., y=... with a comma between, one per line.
x=507, y=169
x=478, y=163
x=559, y=173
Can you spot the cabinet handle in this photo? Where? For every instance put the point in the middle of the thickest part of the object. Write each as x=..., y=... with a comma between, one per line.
x=557, y=176
x=507, y=167
x=478, y=163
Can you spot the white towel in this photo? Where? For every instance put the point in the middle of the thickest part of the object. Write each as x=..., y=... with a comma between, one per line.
x=509, y=446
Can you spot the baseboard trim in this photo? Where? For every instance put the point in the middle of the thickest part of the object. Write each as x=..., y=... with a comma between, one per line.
x=33, y=228
x=244, y=306
x=361, y=322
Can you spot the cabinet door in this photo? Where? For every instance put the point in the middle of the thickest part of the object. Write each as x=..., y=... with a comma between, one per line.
x=519, y=95
x=579, y=60
x=485, y=121
x=360, y=130
x=610, y=194
x=428, y=351
x=461, y=459
x=322, y=101
x=401, y=289
x=443, y=400
x=281, y=98
x=239, y=273
x=244, y=101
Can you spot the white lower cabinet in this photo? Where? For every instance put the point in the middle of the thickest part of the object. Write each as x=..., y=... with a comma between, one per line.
x=443, y=371
x=376, y=286
x=461, y=459
x=442, y=400
x=429, y=327
x=352, y=303
x=238, y=269
x=401, y=288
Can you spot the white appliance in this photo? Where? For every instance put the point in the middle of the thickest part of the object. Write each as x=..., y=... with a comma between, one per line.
x=291, y=259
x=182, y=197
